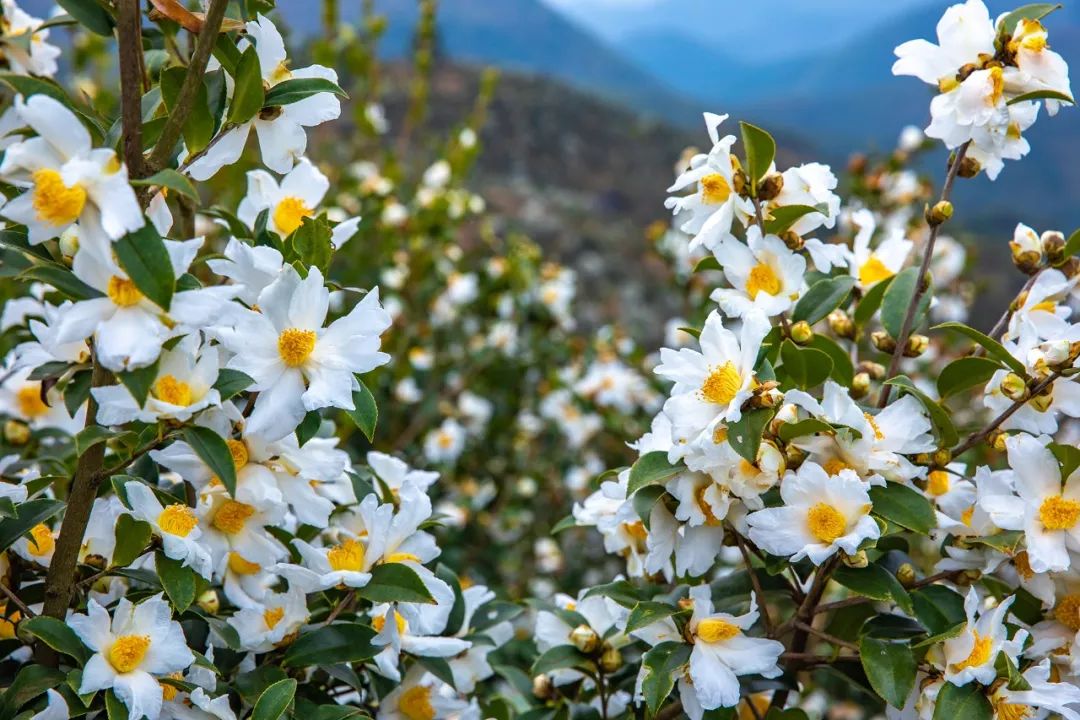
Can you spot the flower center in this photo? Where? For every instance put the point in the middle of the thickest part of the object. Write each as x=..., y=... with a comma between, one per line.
x=1058, y=513
x=713, y=630
x=722, y=385
x=636, y=530
x=7, y=623
x=715, y=189
x=54, y=202
x=878, y=435
x=177, y=519
x=272, y=616
x=168, y=690
x=997, y=85
x=1010, y=711
x=231, y=516
x=937, y=484
x=1022, y=563
x=379, y=622
x=835, y=466
x=720, y=434
x=290, y=213
x=128, y=651
x=1067, y=611
x=295, y=346
x=42, y=541
x=123, y=292
x=872, y=271
x=706, y=508
x=239, y=453
x=400, y=557
x=980, y=653
x=348, y=556
x=825, y=523
x=762, y=279
x=170, y=390
x=415, y=703
x=29, y=401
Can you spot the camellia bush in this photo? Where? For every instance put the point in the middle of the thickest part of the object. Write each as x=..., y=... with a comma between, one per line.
x=849, y=500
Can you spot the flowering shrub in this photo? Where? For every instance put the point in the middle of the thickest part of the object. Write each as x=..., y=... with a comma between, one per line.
x=818, y=513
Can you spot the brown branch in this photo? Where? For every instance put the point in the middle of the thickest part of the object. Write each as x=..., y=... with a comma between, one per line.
x=921, y=285
x=346, y=602
x=805, y=614
x=756, y=583
x=822, y=635
x=999, y=326
x=129, y=44
x=10, y=595
x=976, y=438
x=860, y=599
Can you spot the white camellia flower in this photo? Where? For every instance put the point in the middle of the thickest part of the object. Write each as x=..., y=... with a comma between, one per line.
x=445, y=443
x=765, y=275
x=821, y=515
x=396, y=474
x=236, y=525
x=33, y=56
x=251, y=268
x=67, y=181
x=21, y=398
x=972, y=655
x=289, y=202
x=812, y=185
x=282, y=138
x=422, y=696
x=869, y=267
x=297, y=364
x=176, y=524
x=964, y=32
x=138, y=643
x=263, y=628
x=415, y=629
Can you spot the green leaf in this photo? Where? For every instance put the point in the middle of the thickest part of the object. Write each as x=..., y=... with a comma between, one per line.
x=229, y=383
x=760, y=152
x=709, y=262
x=30, y=513
x=139, y=381
x=745, y=435
x=992, y=346
x=558, y=658
x=1034, y=11
x=296, y=89
x=171, y=179
x=876, y=583
x=1068, y=457
x=1005, y=541
x=890, y=667
x=565, y=524
x=311, y=242
x=275, y=700
x=56, y=635
x=132, y=537
x=871, y=301
x=91, y=436
x=365, y=413
x=651, y=468
x=903, y=506
x=337, y=643
x=822, y=298
x=939, y=417
x=782, y=218
x=114, y=707
x=198, y=128
x=843, y=370
x=805, y=366
x=964, y=374
x=658, y=667
x=395, y=582
x=646, y=613
x=811, y=426
x=622, y=592
x=91, y=14
x=143, y=257
x=938, y=608
x=644, y=500
x=248, y=91
x=177, y=580
x=1041, y=95
x=308, y=427
x=60, y=278
x=214, y=451
x=31, y=681
x=1007, y=668
x=967, y=702
x=897, y=298
x=1072, y=245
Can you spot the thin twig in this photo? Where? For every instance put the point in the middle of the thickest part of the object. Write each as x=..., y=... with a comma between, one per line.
x=821, y=634
x=921, y=284
x=10, y=595
x=755, y=582
x=976, y=438
x=345, y=603
x=805, y=613
x=999, y=326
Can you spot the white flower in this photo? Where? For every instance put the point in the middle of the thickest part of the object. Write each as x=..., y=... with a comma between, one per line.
x=396, y=474
x=422, y=695
x=30, y=56
x=176, y=524
x=870, y=267
x=765, y=275
x=297, y=364
x=265, y=627
x=296, y=198
x=445, y=443
x=66, y=179
x=820, y=515
x=964, y=32
x=971, y=655
x=21, y=398
x=138, y=643
x=811, y=184
x=251, y=268
x=413, y=628
x=235, y=525
x=282, y=138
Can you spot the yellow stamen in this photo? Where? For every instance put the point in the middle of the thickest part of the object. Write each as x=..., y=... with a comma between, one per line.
x=873, y=271
x=400, y=557
x=720, y=434
x=825, y=523
x=1022, y=563
x=54, y=202
x=715, y=189
x=240, y=566
x=29, y=401
x=239, y=453
x=937, y=483
x=123, y=292
x=722, y=384
x=42, y=541
x=169, y=692
x=290, y=213
x=762, y=279
x=295, y=346
x=272, y=616
x=1058, y=513
x=349, y=555
x=980, y=653
x=170, y=390
x=1067, y=611
x=379, y=622
x=415, y=703
x=231, y=516
x=7, y=624
x=835, y=466
x=878, y=435
x=713, y=630
x=177, y=520
x=706, y=508
x=127, y=652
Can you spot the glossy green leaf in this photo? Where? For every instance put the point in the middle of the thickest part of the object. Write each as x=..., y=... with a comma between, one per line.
x=275, y=700
x=143, y=257
x=248, y=93
x=365, y=413
x=659, y=668
x=890, y=667
x=329, y=644
x=843, y=370
x=992, y=347
x=559, y=658
x=964, y=374
x=90, y=14
x=967, y=702
x=805, y=366
x=60, y=278
x=172, y=180
x=1034, y=11
x=822, y=298
x=745, y=434
x=177, y=580
x=646, y=613
x=871, y=301
x=938, y=608
x=760, y=151
x=132, y=538
x=903, y=506
x=875, y=582
x=395, y=582
x=214, y=451
x=296, y=89
x=56, y=635
x=30, y=513
x=230, y=383
x=940, y=419
x=650, y=469
x=898, y=297
x=781, y=219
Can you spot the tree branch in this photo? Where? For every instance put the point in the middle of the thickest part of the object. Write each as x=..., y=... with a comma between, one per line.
x=129, y=44
x=976, y=438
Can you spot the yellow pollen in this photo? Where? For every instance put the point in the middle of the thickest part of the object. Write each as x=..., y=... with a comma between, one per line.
x=231, y=516
x=714, y=630
x=400, y=557
x=415, y=703
x=980, y=653
x=965, y=517
x=239, y=453
x=349, y=555
x=1058, y=513
x=937, y=483
x=1046, y=306
x=722, y=384
x=170, y=390
x=169, y=692
x=28, y=398
x=54, y=202
x=835, y=466
x=762, y=279
x=42, y=541
x=1010, y=711
x=1067, y=611
x=715, y=189
x=997, y=85
x=873, y=271
x=878, y=435
x=446, y=440
x=177, y=519
x=636, y=530
x=1013, y=131
x=295, y=346
x=7, y=624
x=272, y=616
x=240, y=566
x=719, y=434
x=706, y=508
x=127, y=652
x=825, y=523
x=748, y=468
x=123, y=292
x=1022, y=563
x=290, y=213
x=379, y=622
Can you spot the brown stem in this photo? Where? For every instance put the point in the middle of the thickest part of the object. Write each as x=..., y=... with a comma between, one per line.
x=859, y=599
x=341, y=607
x=921, y=286
x=129, y=43
x=185, y=99
x=826, y=636
x=999, y=326
x=976, y=438
x=755, y=582
x=805, y=615
x=10, y=595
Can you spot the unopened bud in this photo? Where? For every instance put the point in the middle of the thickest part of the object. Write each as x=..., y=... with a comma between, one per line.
x=876, y=371
x=794, y=456
x=1043, y=401
x=1053, y=246
x=916, y=345
x=969, y=167
x=906, y=574
x=857, y=164
x=858, y=560
x=969, y=576
x=585, y=639
x=740, y=183
x=209, y=602
x=543, y=688
x=842, y=324
x=793, y=240
x=860, y=385
x=1027, y=261
x=801, y=332
x=883, y=341
x=1071, y=267
x=942, y=457
x=611, y=659
x=770, y=186
x=1014, y=387
x=940, y=213
x=997, y=440
x=16, y=433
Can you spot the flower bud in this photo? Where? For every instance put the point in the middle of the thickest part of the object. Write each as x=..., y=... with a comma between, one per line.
x=940, y=213
x=1027, y=261
x=770, y=186
x=942, y=457
x=860, y=385
x=1071, y=267
x=969, y=167
x=801, y=332
x=857, y=164
x=740, y=183
x=969, y=576
x=876, y=371
x=1014, y=387
x=841, y=324
x=793, y=240
x=585, y=639
x=997, y=440
x=1053, y=246
x=543, y=688
x=16, y=433
x=1043, y=400
x=883, y=341
x=906, y=574
x=916, y=345
x=793, y=456
x=858, y=560
x=611, y=659
x=209, y=602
